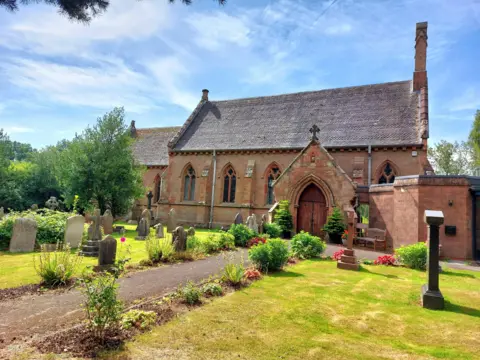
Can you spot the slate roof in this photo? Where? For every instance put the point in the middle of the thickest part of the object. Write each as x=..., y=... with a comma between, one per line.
x=379, y=114
x=150, y=146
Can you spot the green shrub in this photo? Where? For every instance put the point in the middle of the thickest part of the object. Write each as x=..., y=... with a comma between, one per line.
x=273, y=230
x=56, y=267
x=211, y=244
x=335, y=225
x=190, y=293
x=368, y=262
x=233, y=274
x=413, y=256
x=271, y=256
x=227, y=241
x=194, y=243
x=241, y=234
x=51, y=226
x=305, y=246
x=284, y=219
x=102, y=308
x=138, y=318
x=159, y=249
x=212, y=289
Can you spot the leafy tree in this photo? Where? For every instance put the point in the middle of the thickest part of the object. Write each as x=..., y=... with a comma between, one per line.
x=451, y=158
x=474, y=139
x=78, y=10
x=21, y=151
x=99, y=166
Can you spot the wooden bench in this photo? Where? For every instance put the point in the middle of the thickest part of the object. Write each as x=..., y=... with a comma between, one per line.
x=374, y=236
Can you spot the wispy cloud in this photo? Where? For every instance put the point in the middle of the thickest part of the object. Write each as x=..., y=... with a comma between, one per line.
x=18, y=129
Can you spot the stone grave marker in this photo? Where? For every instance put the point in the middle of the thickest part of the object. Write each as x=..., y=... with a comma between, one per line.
x=147, y=215
x=24, y=234
x=191, y=231
x=238, y=219
x=252, y=223
x=74, y=231
x=107, y=252
x=94, y=235
x=171, y=221
x=52, y=203
x=142, y=229
x=179, y=239
x=159, y=231
x=107, y=222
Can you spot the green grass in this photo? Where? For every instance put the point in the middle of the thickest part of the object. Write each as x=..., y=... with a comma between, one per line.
x=18, y=269
x=316, y=311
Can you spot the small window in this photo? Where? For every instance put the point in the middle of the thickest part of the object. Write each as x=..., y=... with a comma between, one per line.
x=229, y=185
x=387, y=176
x=189, y=185
x=273, y=174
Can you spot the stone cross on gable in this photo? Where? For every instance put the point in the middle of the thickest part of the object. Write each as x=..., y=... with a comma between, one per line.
x=314, y=130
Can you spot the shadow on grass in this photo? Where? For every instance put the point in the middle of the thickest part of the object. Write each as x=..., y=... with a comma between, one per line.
x=365, y=270
x=449, y=306
x=451, y=273
x=287, y=274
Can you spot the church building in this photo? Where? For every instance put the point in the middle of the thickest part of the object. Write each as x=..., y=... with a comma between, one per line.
x=317, y=149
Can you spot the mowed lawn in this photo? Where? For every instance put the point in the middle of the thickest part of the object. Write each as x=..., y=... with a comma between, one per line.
x=315, y=311
x=18, y=269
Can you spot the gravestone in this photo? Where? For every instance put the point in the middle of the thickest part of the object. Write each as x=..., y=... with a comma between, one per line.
x=252, y=223
x=94, y=235
x=179, y=239
x=107, y=222
x=191, y=231
x=74, y=231
x=147, y=215
x=24, y=234
x=52, y=203
x=107, y=252
x=262, y=224
x=142, y=229
x=34, y=207
x=171, y=221
x=432, y=297
x=159, y=231
x=119, y=229
x=238, y=219
x=2, y=213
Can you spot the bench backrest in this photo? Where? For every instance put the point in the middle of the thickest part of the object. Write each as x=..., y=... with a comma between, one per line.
x=376, y=233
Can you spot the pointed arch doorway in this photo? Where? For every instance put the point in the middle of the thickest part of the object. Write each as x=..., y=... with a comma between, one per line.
x=312, y=210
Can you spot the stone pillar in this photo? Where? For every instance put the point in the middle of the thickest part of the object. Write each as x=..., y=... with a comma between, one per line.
x=349, y=260
x=432, y=298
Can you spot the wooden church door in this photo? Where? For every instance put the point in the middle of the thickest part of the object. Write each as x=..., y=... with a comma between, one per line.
x=312, y=210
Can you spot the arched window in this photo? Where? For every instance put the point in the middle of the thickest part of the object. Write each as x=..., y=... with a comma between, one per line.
x=387, y=176
x=229, y=185
x=273, y=174
x=158, y=188
x=189, y=185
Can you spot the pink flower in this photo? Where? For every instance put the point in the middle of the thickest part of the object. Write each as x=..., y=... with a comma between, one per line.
x=123, y=239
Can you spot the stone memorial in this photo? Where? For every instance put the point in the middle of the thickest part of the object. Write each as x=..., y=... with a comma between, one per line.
x=252, y=223
x=238, y=219
x=52, y=203
x=179, y=239
x=348, y=261
x=142, y=229
x=159, y=231
x=119, y=229
x=94, y=235
x=34, y=207
x=432, y=297
x=262, y=224
x=147, y=215
x=107, y=252
x=107, y=222
x=74, y=231
x=23, y=236
x=171, y=221
x=191, y=231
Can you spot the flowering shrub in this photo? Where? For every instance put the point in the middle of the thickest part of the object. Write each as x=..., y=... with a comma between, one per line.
x=385, y=260
x=338, y=255
x=252, y=274
x=256, y=241
x=345, y=235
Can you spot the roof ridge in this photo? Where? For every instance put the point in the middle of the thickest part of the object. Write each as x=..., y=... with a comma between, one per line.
x=161, y=128
x=312, y=91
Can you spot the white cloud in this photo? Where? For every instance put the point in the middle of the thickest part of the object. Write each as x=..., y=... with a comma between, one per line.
x=18, y=129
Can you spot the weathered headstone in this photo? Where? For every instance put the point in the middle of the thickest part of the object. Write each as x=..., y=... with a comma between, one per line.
x=2, y=213
x=24, y=234
x=191, y=231
x=52, y=203
x=94, y=235
x=432, y=297
x=262, y=224
x=179, y=239
x=34, y=207
x=107, y=222
x=238, y=219
x=74, y=231
x=159, y=231
x=142, y=230
x=107, y=251
x=171, y=221
x=252, y=223
x=119, y=229
x=147, y=215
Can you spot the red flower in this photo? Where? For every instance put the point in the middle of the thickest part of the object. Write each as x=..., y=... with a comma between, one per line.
x=252, y=274
x=385, y=260
x=123, y=239
x=256, y=241
x=338, y=255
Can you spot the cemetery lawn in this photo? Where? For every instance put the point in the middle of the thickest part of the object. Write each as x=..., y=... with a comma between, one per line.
x=315, y=311
x=18, y=269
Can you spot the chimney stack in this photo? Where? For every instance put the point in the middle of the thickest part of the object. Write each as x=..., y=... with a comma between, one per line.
x=420, y=74
x=133, y=129
x=204, y=95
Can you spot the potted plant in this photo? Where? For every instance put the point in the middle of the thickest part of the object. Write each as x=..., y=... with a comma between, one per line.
x=345, y=237
x=335, y=226
x=284, y=219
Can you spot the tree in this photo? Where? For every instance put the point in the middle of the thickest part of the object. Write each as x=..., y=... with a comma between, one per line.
x=78, y=10
x=21, y=151
x=451, y=158
x=474, y=139
x=99, y=166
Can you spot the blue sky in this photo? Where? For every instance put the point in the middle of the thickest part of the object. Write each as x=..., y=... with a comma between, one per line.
x=154, y=59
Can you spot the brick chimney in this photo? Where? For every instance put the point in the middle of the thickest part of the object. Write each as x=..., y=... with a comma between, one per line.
x=420, y=74
x=133, y=129
x=204, y=95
